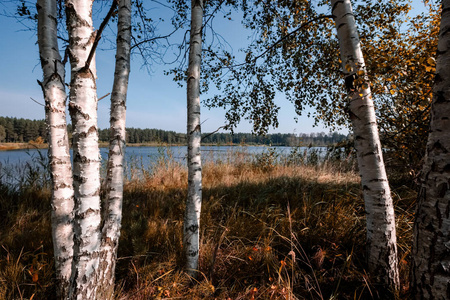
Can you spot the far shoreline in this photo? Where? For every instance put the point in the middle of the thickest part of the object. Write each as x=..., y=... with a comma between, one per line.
x=31, y=145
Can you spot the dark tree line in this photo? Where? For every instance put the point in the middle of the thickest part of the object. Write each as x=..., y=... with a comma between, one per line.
x=137, y=135
x=276, y=139
x=14, y=130
x=24, y=130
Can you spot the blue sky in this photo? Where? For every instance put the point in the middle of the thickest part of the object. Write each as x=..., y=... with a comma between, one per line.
x=154, y=100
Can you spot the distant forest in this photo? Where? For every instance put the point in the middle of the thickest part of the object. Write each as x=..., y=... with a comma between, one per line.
x=23, y=130
x=13, y=130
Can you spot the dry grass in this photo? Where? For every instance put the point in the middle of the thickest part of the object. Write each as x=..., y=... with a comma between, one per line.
x=17, y=146
x=270, y=230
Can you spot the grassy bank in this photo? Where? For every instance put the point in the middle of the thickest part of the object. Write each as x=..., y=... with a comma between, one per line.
x=290, y=229
x=19, y=146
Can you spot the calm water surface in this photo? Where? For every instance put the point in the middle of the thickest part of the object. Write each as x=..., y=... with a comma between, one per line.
x=12, y=163
x=151, y=154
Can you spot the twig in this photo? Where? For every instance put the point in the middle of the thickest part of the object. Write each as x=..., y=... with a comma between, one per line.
x=66, y=56
x=37, y=102
x=103, y=97
x=213, y=13
x=292, y=33
x=155, y=38
x=280, y=40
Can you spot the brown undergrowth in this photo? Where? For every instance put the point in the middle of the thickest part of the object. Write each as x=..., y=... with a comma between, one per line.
x=270, y=229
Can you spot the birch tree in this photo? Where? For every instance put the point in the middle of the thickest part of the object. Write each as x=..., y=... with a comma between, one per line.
x=293, y=36
x=430, y=254
x=54, y=92
x=83, y=230
x=380, y=219
x=86, y=155
x=112, y=208
x=194, y=198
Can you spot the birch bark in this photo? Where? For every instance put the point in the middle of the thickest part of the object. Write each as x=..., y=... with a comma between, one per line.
x=114, y=181
x=58, y=153
x=194, y=198
x=431, y=249
x=86, y=160
x=381, y=233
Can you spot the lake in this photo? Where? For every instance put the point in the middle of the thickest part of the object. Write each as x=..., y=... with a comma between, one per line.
x=15, y=163
x=151, y=154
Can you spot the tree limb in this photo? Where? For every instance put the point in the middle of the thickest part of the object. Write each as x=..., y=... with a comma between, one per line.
x=98, y=35
x=209, y=134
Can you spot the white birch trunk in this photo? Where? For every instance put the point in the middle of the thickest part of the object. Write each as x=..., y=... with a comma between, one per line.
x=194, y=198
x=114, y=181
x=431, y=248
x=86, y=168
x=381, y=233
x=58, y=153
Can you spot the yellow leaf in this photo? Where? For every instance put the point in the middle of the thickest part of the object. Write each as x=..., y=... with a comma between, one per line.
x=348, y=68
x=431, y=60
x=360, y=73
